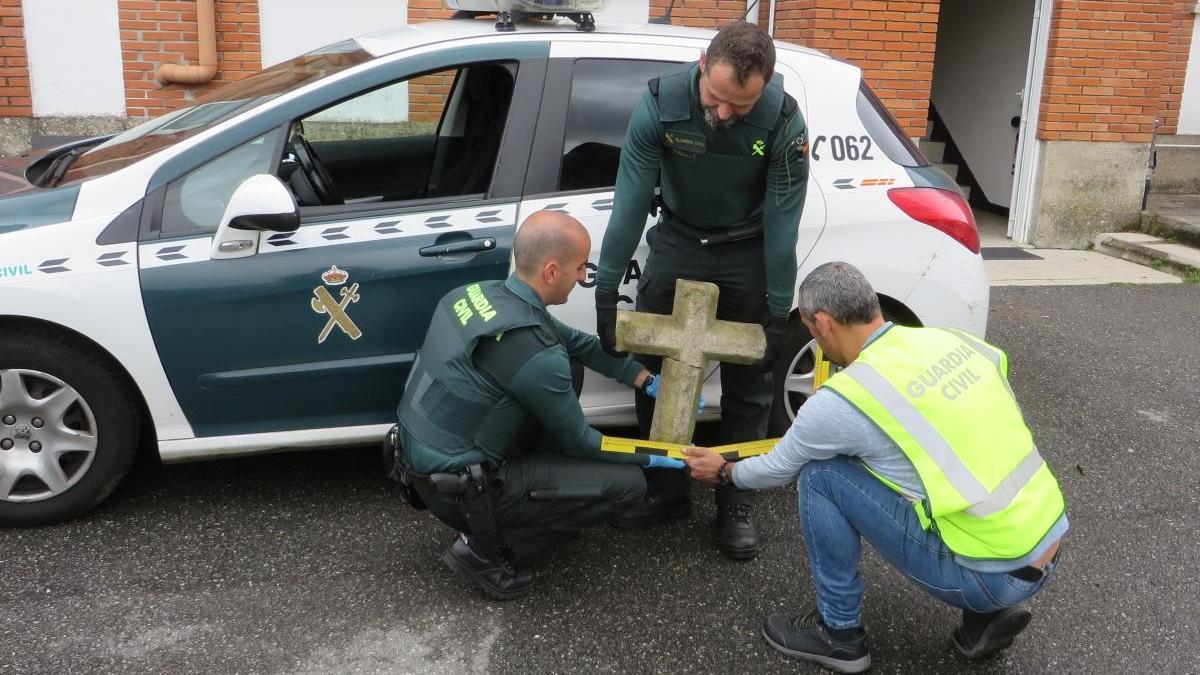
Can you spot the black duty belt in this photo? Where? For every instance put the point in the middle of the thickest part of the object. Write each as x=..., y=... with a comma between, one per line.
x=712, y=237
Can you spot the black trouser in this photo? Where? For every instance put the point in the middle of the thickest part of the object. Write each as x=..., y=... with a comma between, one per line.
x=528, y=525
x=738, y=269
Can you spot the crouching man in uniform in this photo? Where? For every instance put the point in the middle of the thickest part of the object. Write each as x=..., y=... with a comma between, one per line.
x=493, y=375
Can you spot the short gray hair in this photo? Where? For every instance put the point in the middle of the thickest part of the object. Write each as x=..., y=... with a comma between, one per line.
x=840, y=290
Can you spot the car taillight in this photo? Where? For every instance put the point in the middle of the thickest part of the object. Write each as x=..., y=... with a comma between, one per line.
x=942, y=209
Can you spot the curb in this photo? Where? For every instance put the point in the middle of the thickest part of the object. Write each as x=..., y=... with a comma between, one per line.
x=1149, y=251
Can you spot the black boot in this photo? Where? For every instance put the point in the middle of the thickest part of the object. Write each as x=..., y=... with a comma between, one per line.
x=654, y=509
x=735, y=519
x=498, y=578
x=982, y=635
x=807, y=637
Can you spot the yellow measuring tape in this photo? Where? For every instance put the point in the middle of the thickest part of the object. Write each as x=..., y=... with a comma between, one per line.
x=731, y=452
x=736, y=451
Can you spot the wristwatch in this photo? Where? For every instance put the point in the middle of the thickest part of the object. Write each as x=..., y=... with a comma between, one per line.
x=725, y=474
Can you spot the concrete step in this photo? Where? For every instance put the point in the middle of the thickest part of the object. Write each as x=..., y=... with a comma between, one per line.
x=1145, y=249
x=934, y=151
x=949, y=169
x=1174, y=217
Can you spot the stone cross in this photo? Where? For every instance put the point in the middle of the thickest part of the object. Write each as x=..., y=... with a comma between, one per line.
x=688, y=340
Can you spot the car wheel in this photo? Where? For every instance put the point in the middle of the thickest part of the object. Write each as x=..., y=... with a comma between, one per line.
x=793, y=377
x=68, y=428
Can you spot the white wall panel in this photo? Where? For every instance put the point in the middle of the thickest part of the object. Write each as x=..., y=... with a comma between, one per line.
x=74, y=57
x=1189, y=113
x=293, y=27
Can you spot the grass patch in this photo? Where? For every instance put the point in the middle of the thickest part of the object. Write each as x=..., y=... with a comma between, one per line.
x=1193, y=277
x=1156, y=264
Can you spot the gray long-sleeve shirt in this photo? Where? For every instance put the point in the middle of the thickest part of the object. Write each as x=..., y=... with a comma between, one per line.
x=828, y=426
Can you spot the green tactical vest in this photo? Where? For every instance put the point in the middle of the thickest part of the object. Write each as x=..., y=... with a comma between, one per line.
x=944, y=398
x=696, y=158
x=449, y=410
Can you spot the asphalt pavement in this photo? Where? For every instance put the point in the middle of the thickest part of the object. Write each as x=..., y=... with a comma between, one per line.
x=307, y=563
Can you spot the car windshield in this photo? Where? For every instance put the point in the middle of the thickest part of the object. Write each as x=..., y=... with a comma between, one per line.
x=212, y=109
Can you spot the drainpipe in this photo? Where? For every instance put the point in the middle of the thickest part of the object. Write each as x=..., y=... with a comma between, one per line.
x=771, y=19
x=206, y=28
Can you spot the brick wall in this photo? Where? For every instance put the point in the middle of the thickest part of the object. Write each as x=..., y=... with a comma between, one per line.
x=15, y=99
x=893, y=42
x=427, y=95
x=703, y=13
x=154, y=32
x=1183, y=20
x=1107, y=67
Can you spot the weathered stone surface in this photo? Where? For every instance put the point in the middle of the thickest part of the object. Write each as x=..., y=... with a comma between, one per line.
x=688, y=340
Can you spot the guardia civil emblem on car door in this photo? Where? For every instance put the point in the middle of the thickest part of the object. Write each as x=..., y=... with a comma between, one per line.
x=323, y=302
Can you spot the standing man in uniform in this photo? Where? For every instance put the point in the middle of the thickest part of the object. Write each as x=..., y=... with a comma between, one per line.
x=494, y=374
x=729, y=148
x=919, y=447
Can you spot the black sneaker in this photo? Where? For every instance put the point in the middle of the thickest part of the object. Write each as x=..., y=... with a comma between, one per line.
x=499, y=579
x=654, y=509
x=982, y=635
x=738, y=535
x=805, y=636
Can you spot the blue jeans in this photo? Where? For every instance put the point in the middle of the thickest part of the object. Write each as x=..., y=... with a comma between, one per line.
x=841, y=503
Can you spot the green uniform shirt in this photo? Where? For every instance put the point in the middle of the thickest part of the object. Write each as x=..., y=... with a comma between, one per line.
x=543, y=385
x=712, y=179
x=509, y=377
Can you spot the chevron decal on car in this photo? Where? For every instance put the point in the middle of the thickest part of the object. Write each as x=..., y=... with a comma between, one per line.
x=112, y=259
x=54, y=266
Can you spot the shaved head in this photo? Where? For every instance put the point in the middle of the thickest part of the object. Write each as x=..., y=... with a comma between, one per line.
x=543, y=237
x=551, y=254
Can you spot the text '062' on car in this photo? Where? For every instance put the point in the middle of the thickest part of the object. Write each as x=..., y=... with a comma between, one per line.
x=256, y=272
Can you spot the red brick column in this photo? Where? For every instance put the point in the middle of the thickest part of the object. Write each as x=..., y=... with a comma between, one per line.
x=154, y=32
x=15, y=98
x=1107, y=70
x=427, y=10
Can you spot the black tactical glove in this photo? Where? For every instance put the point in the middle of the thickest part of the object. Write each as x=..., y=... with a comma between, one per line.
x=606, y=320
x=776, y=331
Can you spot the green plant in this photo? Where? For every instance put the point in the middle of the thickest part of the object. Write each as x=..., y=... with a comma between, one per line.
x=1156, y=264
x=1193, y=277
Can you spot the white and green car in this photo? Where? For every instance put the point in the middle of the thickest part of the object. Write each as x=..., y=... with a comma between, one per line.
x=255, y=272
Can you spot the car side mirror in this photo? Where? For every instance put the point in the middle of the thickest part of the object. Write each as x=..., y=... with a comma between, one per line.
x=261, y=203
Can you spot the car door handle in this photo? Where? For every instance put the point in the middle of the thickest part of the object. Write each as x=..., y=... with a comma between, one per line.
x=468, y=246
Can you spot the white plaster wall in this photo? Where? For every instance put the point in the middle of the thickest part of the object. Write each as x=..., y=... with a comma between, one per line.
x=1189, y=112
x=625, y=11
x=981, y=62
x=293, y=27
x=74, y=57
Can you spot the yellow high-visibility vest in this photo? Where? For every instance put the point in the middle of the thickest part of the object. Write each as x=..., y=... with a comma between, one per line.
x=944, y=398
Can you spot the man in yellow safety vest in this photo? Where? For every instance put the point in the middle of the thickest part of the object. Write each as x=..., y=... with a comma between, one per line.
x=920, y=447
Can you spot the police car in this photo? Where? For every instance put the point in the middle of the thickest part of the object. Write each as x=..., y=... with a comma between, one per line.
x=256, y=272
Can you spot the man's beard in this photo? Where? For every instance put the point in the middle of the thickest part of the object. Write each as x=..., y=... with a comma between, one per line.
x=710, y=118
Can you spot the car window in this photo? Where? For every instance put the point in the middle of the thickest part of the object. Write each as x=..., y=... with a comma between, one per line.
x=195, y=201
x=603, y=93
x=886, y=131
x=436, y=135
x=213, y=108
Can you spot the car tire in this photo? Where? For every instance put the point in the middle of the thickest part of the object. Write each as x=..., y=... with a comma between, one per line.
x=60, y=406
x=792, y=377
